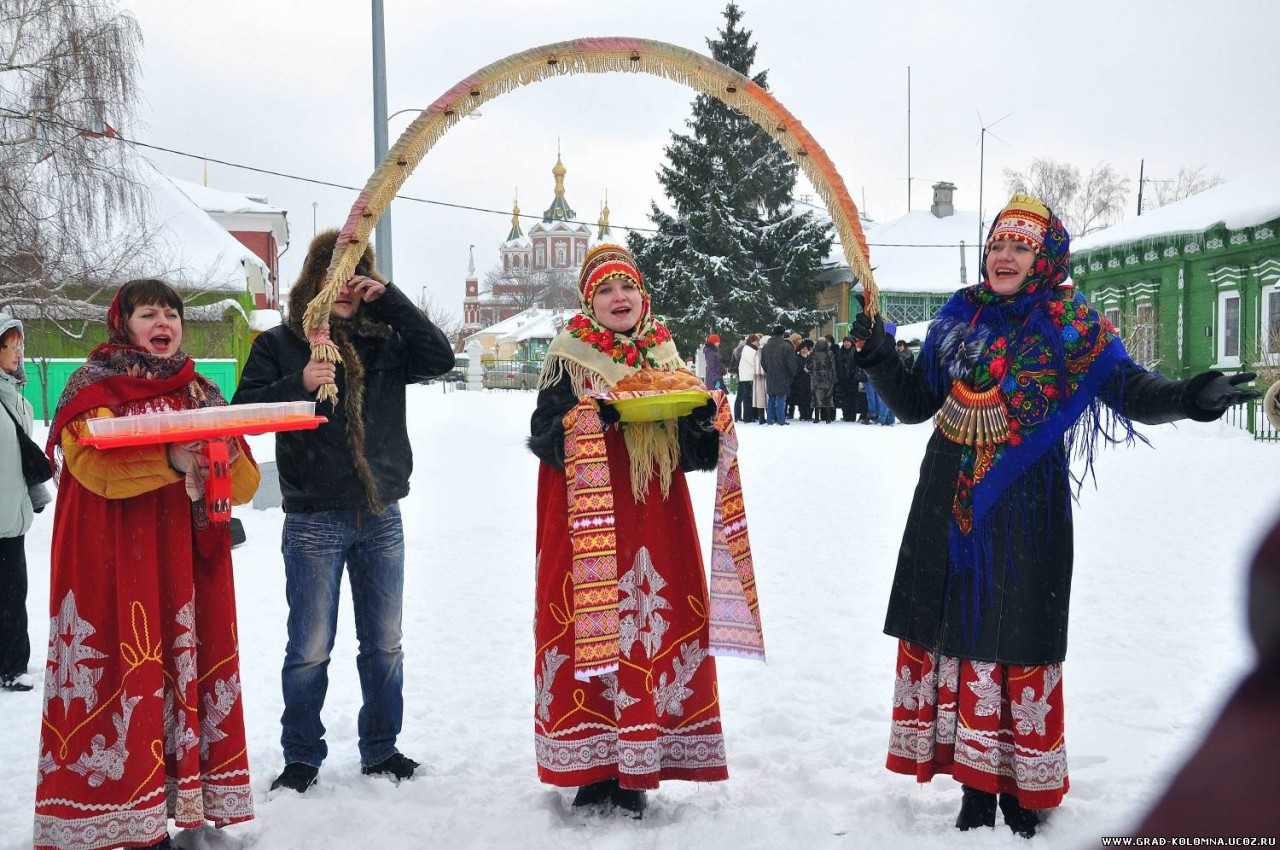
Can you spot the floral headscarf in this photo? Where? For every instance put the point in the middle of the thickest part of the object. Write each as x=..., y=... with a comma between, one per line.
x=104, y=381
x=596, y=357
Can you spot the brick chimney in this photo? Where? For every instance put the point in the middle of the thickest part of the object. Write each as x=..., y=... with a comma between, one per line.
x=942, y=207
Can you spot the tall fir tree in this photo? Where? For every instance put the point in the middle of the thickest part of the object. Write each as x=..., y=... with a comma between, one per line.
x=735, y=257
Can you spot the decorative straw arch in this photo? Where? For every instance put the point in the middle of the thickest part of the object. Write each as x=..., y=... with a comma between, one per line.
x=580, y=56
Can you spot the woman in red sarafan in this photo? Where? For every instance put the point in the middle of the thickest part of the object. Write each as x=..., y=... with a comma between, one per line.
x=625, y=681
x=143, y=719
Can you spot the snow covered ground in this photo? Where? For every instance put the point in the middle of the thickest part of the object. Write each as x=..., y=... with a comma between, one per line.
x=1157, y=643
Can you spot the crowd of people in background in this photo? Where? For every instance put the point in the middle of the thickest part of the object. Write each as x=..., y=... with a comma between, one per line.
x=787, y=378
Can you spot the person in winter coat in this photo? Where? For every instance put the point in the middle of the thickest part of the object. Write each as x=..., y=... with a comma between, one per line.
x=18, y=504
x=1018, y=371
x=143, y=714
x=714, y=378
x=904, y=354
x=822, y=370
x=778, y=360
x=846, y=380
x=342, y=484
x=759, y=386
x=800, y=396
x=626, y=700
x=744, y=408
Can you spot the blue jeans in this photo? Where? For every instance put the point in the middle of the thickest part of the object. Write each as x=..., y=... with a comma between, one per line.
x=877, y=406
x=776, y=410
x=316, y=547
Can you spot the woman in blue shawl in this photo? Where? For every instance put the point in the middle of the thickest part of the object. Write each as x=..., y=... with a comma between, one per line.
x=1019, y=373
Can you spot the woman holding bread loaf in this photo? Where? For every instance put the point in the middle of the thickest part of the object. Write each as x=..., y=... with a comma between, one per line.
x=621, y=593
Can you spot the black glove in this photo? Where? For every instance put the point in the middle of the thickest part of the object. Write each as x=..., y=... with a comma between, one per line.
x=700, y=417
x=608, y=413
x=871, y=333
x=1221, y=392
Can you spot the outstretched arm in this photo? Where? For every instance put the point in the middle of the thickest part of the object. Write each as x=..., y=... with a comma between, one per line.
x=1154, y=399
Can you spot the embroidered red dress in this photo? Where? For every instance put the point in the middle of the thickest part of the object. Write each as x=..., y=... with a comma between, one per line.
x=625, y=627
x=143, y=719
x=658, y=716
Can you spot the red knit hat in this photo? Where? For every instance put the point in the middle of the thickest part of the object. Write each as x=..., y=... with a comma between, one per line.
x=714, y=339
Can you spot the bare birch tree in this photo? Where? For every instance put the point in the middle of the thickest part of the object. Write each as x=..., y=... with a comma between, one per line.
x=1084, y=204
x=68, y=77
x=523, y=288
x=448, y=321
x=1190, y=180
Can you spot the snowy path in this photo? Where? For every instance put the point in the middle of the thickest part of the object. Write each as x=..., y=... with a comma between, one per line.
x=1158, y=642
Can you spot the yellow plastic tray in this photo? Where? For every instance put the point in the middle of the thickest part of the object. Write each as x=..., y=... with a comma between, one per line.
x=653, y=408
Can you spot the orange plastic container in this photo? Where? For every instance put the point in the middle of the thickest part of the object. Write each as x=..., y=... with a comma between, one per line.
x=208, y=425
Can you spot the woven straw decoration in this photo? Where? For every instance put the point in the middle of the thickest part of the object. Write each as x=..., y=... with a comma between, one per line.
x=580, y=56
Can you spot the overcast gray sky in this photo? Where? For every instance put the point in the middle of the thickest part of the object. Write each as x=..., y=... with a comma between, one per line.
x=287, y=86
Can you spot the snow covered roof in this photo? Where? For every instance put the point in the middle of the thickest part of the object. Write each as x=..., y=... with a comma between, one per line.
x=914, y=332
x=205, y=256
x=539, y=326
x=1245, y=202
x=214, y=312
x=184, y=244
x=511, y=323
x=920, y=252
x=264, y=320
x=558, y=227
x=237, y=212
x=217, y=200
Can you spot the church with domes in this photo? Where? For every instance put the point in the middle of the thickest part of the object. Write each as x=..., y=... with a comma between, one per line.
x=537, y=270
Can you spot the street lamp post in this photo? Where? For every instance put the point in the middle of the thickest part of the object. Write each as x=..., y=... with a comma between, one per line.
x=382, y=242
x=314, y=204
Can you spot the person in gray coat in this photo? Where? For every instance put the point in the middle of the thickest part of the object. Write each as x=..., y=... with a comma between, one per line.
x=778, y=359
x=822, y=372
x=18, y=503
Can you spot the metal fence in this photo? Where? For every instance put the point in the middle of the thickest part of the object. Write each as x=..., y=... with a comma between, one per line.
x=1250, y=417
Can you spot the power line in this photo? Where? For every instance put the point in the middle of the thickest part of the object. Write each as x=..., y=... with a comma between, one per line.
x=400, y=197
x=447, y=204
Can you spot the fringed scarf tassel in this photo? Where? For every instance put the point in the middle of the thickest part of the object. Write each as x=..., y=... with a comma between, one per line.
x=1103, y=422
x=654, y=447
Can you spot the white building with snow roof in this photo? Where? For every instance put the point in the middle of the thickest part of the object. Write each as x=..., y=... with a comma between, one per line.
x=919, y=260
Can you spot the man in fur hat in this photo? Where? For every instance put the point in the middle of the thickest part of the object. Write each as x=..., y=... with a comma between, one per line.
x=341, y=485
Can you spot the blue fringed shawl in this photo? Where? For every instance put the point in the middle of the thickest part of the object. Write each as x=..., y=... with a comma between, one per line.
x=1061, y=368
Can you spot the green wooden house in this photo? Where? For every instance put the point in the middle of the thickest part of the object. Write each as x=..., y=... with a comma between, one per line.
x=1194, y=285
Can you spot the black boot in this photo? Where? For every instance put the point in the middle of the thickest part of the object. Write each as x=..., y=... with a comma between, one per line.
x=595, y=793
x=1022, y=821
x=632, y=801
x=978, y=808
